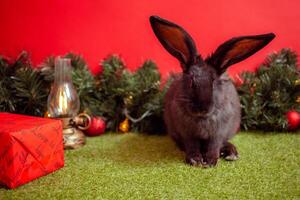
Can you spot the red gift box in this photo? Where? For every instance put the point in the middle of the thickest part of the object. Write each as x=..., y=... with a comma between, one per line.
x=30, y=147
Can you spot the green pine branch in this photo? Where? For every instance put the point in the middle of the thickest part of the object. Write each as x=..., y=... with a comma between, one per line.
x=267, y=95
x=138, y=93
x=21, y=87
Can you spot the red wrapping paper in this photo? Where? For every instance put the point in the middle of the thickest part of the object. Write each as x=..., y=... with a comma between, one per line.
x=30, y=147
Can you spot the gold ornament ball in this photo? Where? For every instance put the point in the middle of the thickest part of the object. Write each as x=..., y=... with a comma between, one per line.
x=297, y=82
x=128, y=100
x=124, y=126
x=298, y=99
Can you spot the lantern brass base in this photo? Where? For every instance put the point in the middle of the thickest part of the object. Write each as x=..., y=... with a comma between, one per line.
x=73, y=137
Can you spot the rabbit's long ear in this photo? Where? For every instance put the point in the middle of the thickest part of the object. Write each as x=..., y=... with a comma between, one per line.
x=175, y=39
x=237, y=49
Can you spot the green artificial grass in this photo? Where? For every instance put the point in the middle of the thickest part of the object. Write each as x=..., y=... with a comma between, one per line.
x=135, y=166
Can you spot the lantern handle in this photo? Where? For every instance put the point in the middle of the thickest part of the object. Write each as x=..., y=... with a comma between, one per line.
x=82, y=121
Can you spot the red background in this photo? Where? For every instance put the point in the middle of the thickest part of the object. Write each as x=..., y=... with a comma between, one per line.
x=98, y=28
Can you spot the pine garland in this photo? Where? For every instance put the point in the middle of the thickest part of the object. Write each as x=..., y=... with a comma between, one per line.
x=114, y=94
x=267, y=95
x=117, y=94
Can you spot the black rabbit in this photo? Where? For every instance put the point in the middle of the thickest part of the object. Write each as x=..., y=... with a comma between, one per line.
x=201, y=107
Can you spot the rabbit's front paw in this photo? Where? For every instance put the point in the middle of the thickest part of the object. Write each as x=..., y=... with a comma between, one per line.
x=195, y=160
x=229, y=152
x=210, y=160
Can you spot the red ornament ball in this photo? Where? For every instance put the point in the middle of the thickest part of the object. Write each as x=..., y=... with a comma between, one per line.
x=293, y=118
x=97, y=127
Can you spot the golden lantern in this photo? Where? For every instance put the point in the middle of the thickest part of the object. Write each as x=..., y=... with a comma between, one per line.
x=64, y=104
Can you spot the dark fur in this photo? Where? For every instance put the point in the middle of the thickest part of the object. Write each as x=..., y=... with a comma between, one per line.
x=202, y=108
